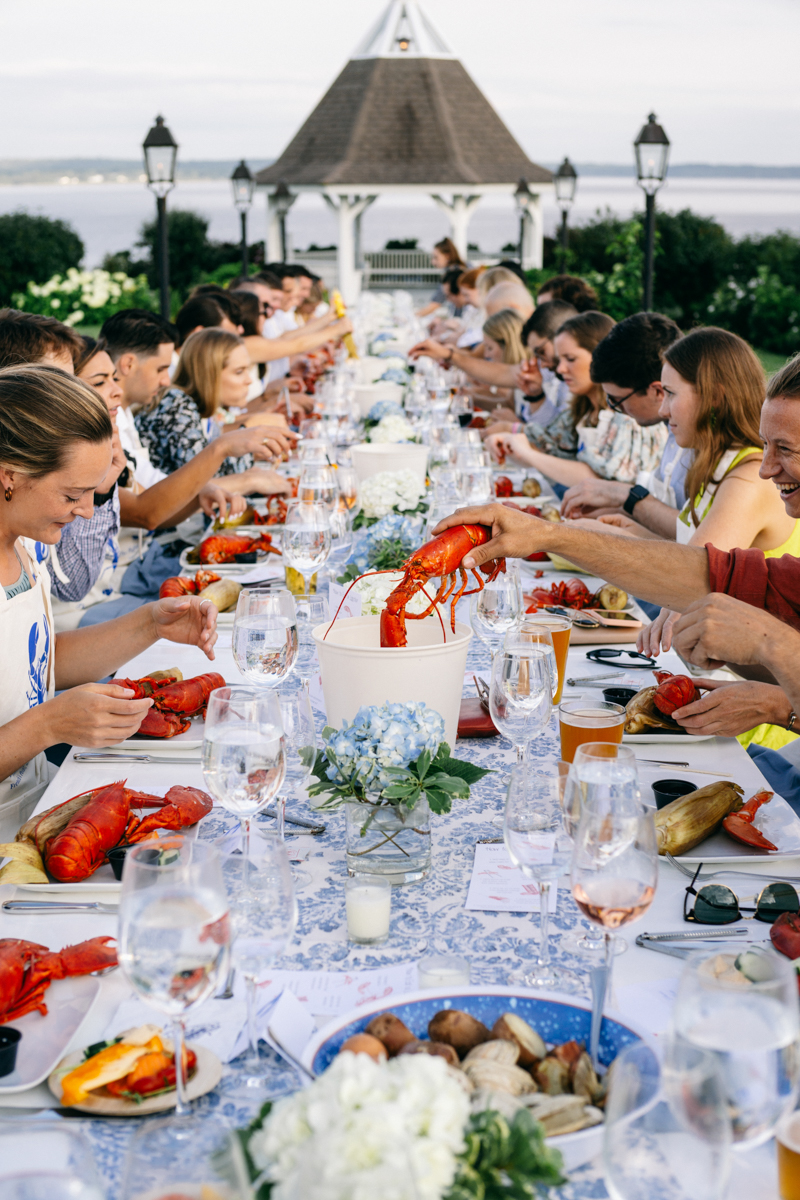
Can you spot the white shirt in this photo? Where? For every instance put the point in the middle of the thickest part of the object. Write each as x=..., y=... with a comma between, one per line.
x=280, y=322
x=145, y=473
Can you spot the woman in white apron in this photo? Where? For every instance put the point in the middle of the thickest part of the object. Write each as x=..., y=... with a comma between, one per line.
x=55, y=449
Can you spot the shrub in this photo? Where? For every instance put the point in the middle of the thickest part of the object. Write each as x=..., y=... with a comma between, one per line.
x=85, y=297
x=34, y=247
x=764, y=310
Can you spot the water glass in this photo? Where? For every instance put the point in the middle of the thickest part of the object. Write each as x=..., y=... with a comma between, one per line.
x=649, y=1148
x=348, y=489
x=300, y=743
x=174, y=931
x=537, y=843
x=311, y=611
x=306, y=540
x=750, y=1028
x=200, y=1159
x=520, y=696
x=476, y=485
x=318, y=486
x=341, y=539
x=264, y=643
x=263, y=914
x=46, y=1160
x=497, y=608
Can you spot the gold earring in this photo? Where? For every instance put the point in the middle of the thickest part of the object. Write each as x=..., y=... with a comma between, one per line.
x=9, y=494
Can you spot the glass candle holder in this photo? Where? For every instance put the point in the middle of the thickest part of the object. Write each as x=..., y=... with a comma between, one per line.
x=368, y=902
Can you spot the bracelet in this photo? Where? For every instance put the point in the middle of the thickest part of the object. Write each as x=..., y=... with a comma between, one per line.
x=791, y=721
x=450, y=358
x=516, y=427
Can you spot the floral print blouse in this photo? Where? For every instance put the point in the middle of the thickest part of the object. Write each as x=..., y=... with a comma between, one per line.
x=616, y=448
x=174, y=432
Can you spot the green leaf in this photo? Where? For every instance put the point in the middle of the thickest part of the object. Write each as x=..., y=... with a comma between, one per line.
x=439, y=801
x=399, y=791
x=449, y=784
x=423, y=763
x=463, y=770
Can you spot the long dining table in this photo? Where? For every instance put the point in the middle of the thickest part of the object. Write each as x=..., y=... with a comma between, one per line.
x=429, y=916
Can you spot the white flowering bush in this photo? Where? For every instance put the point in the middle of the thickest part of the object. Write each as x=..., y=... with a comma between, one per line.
x=85, y=297
x=396, y=1130
x=391, y=429
x=400, y=490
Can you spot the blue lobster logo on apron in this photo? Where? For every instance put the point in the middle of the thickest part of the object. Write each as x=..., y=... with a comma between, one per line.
x=38, y=654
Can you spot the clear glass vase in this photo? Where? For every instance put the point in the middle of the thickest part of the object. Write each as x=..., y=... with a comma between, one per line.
x=388, y=841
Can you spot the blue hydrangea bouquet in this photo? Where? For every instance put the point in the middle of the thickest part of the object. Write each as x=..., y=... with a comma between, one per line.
x=391, y=756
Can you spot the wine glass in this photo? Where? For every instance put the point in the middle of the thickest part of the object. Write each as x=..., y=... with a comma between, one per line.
x=300, y=740
x=520, y=699
x=341, y=540
x=46, y=1160
x=306, y=540
x=498, y=607
x=538, y=844
x=650, y=1148
x=174, y=931
x=347, y=480
x=205, y=1159
x=311, y=611
x=517, y=637
x=318, y=486
x=476, y=484
x=463, y=407
x=263, y=917
x=611, y=769
x=614, y=871
x=264, y=643
x=749, y=1020
x=244, y=755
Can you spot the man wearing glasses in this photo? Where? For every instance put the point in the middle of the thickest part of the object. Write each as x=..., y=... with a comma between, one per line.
x=627, y=365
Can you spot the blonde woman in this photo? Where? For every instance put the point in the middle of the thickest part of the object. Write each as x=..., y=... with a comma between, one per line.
x=502, y=338
x=213, y=373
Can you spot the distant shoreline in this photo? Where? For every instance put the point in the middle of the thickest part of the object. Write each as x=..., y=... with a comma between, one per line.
x=72, y=171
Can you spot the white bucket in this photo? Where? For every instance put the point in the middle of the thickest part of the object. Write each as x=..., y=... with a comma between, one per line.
x=357, y=670
x=370, y=368
x=369, y=459
x=367, y=394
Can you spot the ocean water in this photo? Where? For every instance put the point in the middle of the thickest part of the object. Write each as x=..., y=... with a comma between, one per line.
x=108, y=216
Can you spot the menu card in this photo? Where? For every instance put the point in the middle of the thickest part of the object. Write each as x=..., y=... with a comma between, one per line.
x=498, y=886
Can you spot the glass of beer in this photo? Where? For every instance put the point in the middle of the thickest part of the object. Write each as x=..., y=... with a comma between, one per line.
x=588, y=720
x=787, y=1136
x=559, y=629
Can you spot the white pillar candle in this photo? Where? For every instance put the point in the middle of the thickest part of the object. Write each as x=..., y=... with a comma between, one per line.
x=368, y=901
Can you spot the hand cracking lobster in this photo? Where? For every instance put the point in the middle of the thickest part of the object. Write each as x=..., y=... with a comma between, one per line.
x=74, y=838
x=439, y=558
x=175, y=699
x=227, y=547
x=27, y=970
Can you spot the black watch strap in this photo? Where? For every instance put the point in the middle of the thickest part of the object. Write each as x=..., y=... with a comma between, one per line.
x=636, y=494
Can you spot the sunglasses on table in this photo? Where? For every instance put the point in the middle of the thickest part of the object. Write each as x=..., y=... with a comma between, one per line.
x=716, y=904
x=607, y=655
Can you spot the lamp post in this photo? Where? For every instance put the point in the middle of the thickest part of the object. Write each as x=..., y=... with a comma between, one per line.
x=283, y=200
x=160, y=151
x=522, y=198
x=566, y=181
x=243, y=186
x=652, y=153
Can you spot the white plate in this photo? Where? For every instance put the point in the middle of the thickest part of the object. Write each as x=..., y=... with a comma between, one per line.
x=44, y=1039
x=224, y=570
x=207, y=1075
x=664, y=739
x=105, y=885
x=776, y=820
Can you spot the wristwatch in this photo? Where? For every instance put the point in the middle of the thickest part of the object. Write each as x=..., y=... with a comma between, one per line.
x=636, y=494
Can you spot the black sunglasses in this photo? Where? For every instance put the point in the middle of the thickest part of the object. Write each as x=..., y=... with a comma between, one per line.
x=607, y=654
x=716, y=904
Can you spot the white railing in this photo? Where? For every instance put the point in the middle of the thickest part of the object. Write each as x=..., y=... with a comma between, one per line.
x=399, y=268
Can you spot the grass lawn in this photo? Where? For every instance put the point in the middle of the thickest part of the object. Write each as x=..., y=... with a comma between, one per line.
x=772, y=362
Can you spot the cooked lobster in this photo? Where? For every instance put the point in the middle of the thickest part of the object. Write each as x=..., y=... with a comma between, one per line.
x=224, y=547
x=740, y=824
x=74, y=837
x=785, y=937
x=673, y=692
x=181, y=585
x=27, y=970
x=503, y=487
x=174, y=700
x=570, y=593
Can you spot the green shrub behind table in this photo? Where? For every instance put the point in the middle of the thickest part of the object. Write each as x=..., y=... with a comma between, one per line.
x=34, y=247
x=86, y=298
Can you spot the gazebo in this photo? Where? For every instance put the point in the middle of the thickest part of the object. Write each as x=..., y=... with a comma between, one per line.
x=404, y=116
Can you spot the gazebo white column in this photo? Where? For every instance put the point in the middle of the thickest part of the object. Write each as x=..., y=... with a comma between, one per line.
x=275, y=209
x=348, y=209
x=532, y=234
x=459, y=212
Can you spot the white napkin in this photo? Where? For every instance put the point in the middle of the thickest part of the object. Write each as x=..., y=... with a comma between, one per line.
x=215, y=1024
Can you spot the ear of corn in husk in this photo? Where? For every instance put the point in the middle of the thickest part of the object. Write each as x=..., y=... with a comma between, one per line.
x=341, y=311
x=686, y=822
x=223, y=594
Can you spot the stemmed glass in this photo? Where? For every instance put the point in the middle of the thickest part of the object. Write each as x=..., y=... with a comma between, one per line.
x=311, y=611
x=348, y=489
x=318, y=486
x=244, y=755
x=538, y=844
x=341, y=539
x=517, y=637
x=520, y=699
x=497, y=607
x=264, y=643
x=206, y=1160
x=300, y=740
x=174, y=931
x=614, y=871
x=46, y=1160
x=667, y=1132
x=263, y=917
x=306, y=541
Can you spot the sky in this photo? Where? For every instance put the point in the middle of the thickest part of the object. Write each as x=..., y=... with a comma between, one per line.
x=85, y=79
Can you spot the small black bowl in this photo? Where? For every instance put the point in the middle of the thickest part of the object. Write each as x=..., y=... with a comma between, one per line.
x=9, y=1041
x=117, y=859
x=667, y=790
x=619, y=695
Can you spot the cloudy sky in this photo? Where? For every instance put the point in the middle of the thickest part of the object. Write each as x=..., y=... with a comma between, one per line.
x=86, y=78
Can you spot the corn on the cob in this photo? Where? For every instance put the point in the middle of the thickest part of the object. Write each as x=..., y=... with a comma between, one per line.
x=341, y=311
x=687, y=821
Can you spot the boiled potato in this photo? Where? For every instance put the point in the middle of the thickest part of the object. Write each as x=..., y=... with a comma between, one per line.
x=390, y=1030
x=457, y=1029
x=365, y=1043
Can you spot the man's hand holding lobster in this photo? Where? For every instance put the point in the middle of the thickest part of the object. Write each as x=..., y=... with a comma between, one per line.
x=514, y=534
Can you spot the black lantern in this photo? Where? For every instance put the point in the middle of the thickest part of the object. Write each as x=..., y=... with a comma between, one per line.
x=282, y=201
x=566, y=181
x=160, y=152
x=243, y=186
x=652, y=154
x=522, y=198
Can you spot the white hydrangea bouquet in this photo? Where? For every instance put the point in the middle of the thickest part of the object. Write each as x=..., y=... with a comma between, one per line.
x=387, y=491
x=387, y=424
x=397, y=1130
x=391, y=755
x=85, y=296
